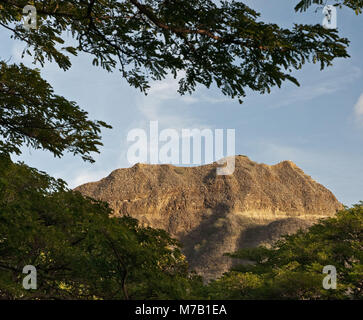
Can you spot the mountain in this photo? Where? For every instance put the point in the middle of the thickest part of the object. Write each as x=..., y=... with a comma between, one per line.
x=212, y=214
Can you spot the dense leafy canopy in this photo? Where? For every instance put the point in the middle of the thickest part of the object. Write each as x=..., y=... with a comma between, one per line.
x=203, y=41
x=31, y=114
x=222, y=42
x=78, y=251
x=293, y=267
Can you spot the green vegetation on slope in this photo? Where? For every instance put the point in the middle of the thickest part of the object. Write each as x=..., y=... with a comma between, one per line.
x=293, y=267
x=78, y=251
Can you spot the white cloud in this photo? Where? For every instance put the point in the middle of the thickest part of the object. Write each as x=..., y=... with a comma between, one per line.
x=358, y=108
x=172, y=110
x=164, y=104
x=327, y=83
x=86, y=176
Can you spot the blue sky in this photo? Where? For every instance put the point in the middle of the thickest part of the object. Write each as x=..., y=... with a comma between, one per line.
x=318, y=125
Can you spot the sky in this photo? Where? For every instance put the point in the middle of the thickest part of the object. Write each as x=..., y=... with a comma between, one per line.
x=318, y=126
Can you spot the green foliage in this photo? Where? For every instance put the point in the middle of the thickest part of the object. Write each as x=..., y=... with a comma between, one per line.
x=79, y=252
x=204, y=41
x=234, y=286
x=31, y=114
x=292, y=268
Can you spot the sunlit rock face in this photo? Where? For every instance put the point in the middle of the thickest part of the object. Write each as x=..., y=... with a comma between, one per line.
x=212, y=214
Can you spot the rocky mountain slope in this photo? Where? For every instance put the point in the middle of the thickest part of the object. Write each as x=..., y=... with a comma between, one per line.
x=213, y=214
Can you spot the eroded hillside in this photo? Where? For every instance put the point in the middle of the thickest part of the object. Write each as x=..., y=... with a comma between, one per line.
x=214, y=214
